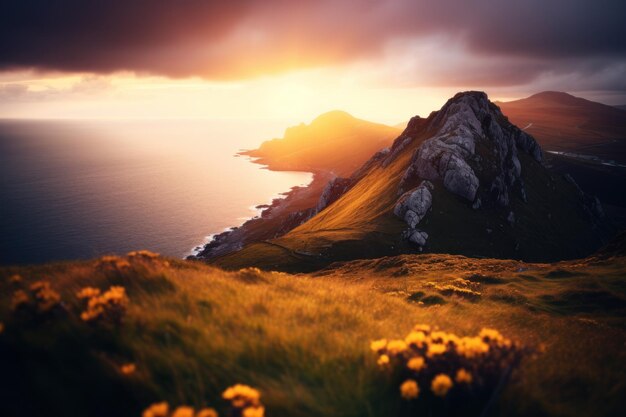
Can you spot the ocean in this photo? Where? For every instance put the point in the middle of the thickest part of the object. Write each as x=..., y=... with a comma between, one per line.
x=81, y=189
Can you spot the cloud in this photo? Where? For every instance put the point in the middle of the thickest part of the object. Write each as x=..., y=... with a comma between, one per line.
x=84, y=87
x=494, y=42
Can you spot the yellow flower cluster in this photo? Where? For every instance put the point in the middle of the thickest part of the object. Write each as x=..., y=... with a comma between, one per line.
x=109, y=306
x=40, y=297
x=113, y=263
x=146, y=258
x=87, y=293
x=162, y=409
x=245, y=400
x=146, y=254
x=447, y=363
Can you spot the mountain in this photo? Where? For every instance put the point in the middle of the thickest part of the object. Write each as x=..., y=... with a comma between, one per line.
x=559, y=120
x=464, y=181
x=334, y=142
x=621, y=106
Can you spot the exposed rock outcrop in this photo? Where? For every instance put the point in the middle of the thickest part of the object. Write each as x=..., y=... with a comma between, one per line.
x=333, y=190
x=471, y=149
x=471, y=138
x=412, y=206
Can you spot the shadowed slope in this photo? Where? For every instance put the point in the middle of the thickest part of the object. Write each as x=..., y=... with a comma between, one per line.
x=561, y=121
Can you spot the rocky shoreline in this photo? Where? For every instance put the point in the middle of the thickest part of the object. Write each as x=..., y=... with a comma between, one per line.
x=277, y=218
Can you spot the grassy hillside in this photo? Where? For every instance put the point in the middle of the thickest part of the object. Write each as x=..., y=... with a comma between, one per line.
x=563, y=122
x=191, y=330
x=334, y=142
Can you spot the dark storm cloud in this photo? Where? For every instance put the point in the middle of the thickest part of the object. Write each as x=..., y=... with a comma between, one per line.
x=230, y=39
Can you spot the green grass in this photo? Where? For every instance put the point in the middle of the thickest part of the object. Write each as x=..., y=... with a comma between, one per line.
x=303, y=341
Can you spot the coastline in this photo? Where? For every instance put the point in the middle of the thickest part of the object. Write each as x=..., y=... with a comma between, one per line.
x=283, y=213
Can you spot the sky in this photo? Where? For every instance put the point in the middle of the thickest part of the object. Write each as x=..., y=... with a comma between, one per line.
x=382, y=60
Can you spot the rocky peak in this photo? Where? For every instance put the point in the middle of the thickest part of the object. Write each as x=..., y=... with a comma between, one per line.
x=472, y=150
x=471, y=145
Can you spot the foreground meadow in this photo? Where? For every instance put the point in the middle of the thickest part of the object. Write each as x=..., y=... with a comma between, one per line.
x=113, y=336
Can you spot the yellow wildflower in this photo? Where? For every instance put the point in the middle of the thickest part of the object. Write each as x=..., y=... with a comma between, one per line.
x=88, y=292
x=253, y=412
x=471, y=346
x=122, y=264
x=490, y=334
x=19, y=299
x=242, y=396
x=441, y=384
x=415, y=338
x=110, y=306
x=15, y=279
x=439, y=336
x=436, y=349
x=128, y=368
x=409, y=389
x=45, y=296
x=143, y=254
x=183, y=411
x=395, y=347
x=383, y=360
x=157, y=410
x=207, y=412
x=416, y=364
x=462, y=376
x=378, y=345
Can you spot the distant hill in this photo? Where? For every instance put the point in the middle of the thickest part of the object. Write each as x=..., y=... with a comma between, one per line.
x=334, y=141
x=621, y=106
x=561, y=121
x=464, y=181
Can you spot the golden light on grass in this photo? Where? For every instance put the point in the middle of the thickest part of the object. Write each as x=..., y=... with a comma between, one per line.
x=308, y=322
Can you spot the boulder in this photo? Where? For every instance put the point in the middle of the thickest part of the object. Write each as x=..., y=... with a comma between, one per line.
x=418, y=237
x=413, y=205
